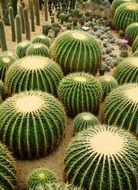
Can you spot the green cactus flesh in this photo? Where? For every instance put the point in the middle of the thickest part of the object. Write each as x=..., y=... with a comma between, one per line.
x=42, y=39
x=131, y=32
x=135, y=45
x=22, y=48
x=59, y=186
x=37, y=49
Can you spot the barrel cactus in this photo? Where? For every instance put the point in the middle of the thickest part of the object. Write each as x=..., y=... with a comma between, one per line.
x=121, y=107
x=103, y=158
x=76, y=51
x=21, y=48
x=7, y=169
x=127, y=71
x=33, y=73
x=6, y=60
x=108, y=83
x=135, y=45
x=42, y=39
x=126, y=14
x=40, y=177
x=84, y=121
x=60, y=186
x=31, y=123
x=80, y=92
x=37, y=49
x=131, y=32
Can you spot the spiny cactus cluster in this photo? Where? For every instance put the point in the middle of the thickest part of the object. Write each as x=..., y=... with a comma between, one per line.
x=33, y=73
x=80, y=92
x=37, y=49
x=42, y=39
x=82, y=52
x=131, y=32
x=84, y=121
x=126, y=14
x=103, y=157
x=40, y=178
x=121, y=107
x=21, y=48
x=7, y=169
x=135, y=45
x=127, y=71
x=31, y=123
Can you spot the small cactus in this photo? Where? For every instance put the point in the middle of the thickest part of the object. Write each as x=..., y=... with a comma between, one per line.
x=131, y=32
x=37, y=49
x=42, y=39
x=33, y=73
x=135, y=45
x=127, y=71
x=21, y=48
x=103, y=158
x=34, y=120
x=80, y=92
x=84, y=121
x=3, y=43
x=121, y=107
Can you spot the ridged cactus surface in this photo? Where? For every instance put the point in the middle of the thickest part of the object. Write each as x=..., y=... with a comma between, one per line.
x=21, y=48
x=40, y=178
x=121, y=107
x=42, y=39
x=33, y=73
x=37, y=49
x=7, y=169
x=135, y=45
x=1, y=90
x=131, y=32
x=76, y=51
x=80, y=92
x=126, y=14
x=103, y=158
x=127, y=71
x=61, y=186
x=84, y=121
x=31, y=123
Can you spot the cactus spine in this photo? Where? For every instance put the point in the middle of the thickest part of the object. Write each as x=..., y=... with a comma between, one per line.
x=37, y=12
x=32, y=16
x=27, y=24
x=2, y=37
x=12, y=23
x=18, y=29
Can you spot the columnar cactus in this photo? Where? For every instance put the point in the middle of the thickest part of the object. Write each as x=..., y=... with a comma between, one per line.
x=46, y=9
x=80, y=92
x=84, y=121
x=126, y=14
x=33, y=73
x=127, y=71
x=108, y=83
x=27, y=24
x=40, y=178
x=37, y=14
x=131, y=32
x=42, y=39
x=18, y=29
x=34, y=120
x=103, y=158
x=135, y=45
x=121, y=107
x=12, y=23
x=82, y=52
x=7, y=169
x=21, y=48
x=32, y=16
x=22, y=18
x=37, y=49
x=3, y=43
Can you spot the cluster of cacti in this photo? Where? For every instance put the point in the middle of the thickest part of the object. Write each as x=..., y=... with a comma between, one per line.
x=121, y=107
x=80, y=92
x=40, y=178
x=6, y=60
x=135, y=45
x=127, y=71
x=21, y=48
x=7, y=169
x=3, y=43
x=33, y=73
x=103, y=158
x=82, y=52
x=108, y=83
x=37, y=49
x=31, y=123
x=84, y=121
x=126, y=14
x=42, y=39
x=131, y=32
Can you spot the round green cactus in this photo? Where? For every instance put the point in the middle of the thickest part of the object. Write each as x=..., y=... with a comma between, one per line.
x=135, y=45
x=80, y=92
x=40, y=177
x=59, y=186
x=33, y=73
x=131, y=32
x=127, y=71
x=82, y=52
x=84, y=121
x=31, y=123
x=103, y=158
x=37, y=49
x=22, y=48
x=7, y=169
x=121, y=107
x=42, y=39
x=6, y=60
x=126, y=14
x=108, y=83
x=117, y=3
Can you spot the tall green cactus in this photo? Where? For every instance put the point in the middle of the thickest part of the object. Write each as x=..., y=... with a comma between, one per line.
x=18, y=29
x=46, y=9
x=27, y=24
x=22, y=18
x=2, y=37
x=37, y=13
x=34, y=121
x=12, y=23
x=131, y=32
x=32, y=16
